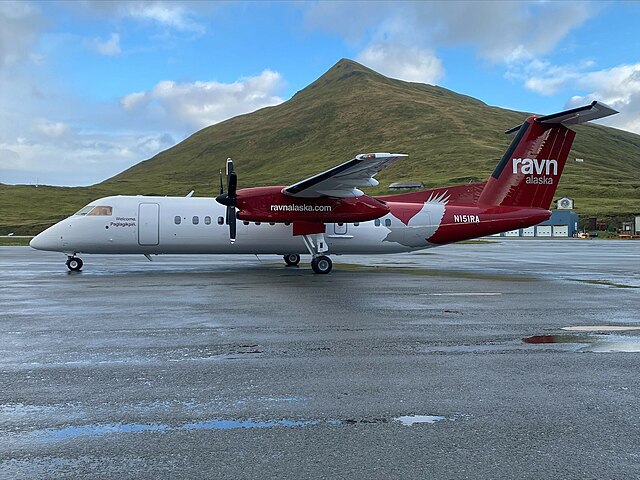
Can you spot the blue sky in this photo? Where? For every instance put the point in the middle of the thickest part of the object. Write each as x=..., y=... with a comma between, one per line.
x=88, y=89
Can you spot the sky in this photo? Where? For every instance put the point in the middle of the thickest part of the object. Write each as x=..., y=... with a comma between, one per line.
x=90, y=88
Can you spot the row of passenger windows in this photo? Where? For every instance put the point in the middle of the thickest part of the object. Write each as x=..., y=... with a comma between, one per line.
x=207, y=221
x=196, y=220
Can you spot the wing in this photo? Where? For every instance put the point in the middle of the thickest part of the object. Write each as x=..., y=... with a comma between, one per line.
x=341, y=181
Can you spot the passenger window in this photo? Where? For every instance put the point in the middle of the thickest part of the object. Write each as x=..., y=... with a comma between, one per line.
x=177, y=219
x=245, y=222
x=272, y=223
x=220, y=221
x=356, y=224
x=340, y=224
x=207, y=220
x=376, y=222
x=257, y=223
x=387, y=222
x=101, y=210
x=195, y=220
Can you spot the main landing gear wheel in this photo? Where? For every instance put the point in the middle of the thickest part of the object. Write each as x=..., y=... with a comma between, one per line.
x=292, y=259
x=321, y=264
x=74, y=264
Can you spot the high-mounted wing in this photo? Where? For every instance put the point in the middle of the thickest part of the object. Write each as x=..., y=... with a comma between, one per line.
x=341, y=181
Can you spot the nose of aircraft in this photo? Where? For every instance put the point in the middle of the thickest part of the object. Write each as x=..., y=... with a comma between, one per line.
x=46, y=240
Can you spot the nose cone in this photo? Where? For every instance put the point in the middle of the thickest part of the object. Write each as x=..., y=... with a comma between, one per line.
x=47, y=240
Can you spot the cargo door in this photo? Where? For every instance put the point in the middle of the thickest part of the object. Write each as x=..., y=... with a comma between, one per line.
x=148, y=224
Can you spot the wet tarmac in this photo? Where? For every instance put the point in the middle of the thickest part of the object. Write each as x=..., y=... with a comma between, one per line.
x=509, y=359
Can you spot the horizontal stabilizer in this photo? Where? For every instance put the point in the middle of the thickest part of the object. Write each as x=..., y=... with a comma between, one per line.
x=575, y=116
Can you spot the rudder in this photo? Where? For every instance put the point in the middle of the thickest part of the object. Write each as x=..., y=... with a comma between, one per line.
x=529, y=172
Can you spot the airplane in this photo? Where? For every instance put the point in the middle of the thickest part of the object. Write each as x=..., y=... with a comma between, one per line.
x=328, y=213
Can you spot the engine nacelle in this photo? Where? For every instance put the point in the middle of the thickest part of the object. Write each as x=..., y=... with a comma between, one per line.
x=269, y=204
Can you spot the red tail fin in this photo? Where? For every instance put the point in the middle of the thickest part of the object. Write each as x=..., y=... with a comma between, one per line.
x=529, y=172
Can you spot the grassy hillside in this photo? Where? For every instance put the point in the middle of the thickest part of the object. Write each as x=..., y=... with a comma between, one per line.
x=451, y=138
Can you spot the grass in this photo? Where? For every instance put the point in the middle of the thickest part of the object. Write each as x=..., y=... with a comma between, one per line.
x=451, y=139
x=14, y=242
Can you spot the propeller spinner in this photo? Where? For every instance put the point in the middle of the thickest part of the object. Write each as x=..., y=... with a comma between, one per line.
x=229, y=199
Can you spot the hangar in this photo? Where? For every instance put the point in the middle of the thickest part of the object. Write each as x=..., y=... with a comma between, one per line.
x=563, y=223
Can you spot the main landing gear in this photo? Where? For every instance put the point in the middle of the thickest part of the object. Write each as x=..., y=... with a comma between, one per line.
x=292, y=259
x=74, y=263
x=321, y=264
x=317, y=245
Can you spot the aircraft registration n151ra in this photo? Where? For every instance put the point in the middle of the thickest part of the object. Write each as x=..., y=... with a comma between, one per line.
x=327, y=213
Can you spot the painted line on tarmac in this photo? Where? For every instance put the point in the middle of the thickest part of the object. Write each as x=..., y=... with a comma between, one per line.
x=463, y=294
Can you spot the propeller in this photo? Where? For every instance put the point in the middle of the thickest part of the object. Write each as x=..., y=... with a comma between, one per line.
x=229, y=199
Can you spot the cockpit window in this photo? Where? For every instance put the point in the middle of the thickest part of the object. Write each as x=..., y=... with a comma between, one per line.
x=85, y=210
x=101, y=210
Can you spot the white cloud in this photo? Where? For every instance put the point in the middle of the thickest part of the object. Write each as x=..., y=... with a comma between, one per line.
x=617, y=86
x=180, y=16
x=199, y=104
x=52, y=129
x=110, y=47
x=412, y=64
x=169, y=14
x=76, y=158
x=500, y=31
x=21, y=24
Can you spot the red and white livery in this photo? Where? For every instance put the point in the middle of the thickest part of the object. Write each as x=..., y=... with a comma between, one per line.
x=328, y=213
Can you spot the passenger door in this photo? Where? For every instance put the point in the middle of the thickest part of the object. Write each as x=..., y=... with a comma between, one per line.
x=148, y=224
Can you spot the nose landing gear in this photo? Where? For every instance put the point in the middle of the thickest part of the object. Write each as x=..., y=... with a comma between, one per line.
x=74, y=263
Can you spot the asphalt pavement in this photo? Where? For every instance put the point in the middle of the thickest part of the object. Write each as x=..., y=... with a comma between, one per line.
x=508, y=359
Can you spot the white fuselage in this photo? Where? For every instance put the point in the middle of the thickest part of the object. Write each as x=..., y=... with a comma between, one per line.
x=182, y=225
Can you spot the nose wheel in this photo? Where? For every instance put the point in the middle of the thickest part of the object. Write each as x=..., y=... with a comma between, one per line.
x=74, y=264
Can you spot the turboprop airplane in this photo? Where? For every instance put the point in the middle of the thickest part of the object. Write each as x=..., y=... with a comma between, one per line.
x=328, y=213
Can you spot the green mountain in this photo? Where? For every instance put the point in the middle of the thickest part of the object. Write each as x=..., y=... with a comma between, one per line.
x=451, y=138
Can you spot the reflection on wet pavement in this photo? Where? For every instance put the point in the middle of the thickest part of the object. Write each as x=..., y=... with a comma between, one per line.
x=97, y=430
x=410, y=420
x=590, y=343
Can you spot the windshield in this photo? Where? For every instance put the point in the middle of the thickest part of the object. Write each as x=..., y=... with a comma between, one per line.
x=100, y=210
x=96, y=210
x=85, y=210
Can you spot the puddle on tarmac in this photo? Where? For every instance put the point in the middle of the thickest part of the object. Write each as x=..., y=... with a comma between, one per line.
x=410, y=420
x=590, y=343
x=600, y=328
x=98, y=430
x=229, y=424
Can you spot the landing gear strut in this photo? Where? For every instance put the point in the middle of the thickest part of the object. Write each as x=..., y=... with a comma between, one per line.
x=317, y=245
x=292, y=259
x=74, y=263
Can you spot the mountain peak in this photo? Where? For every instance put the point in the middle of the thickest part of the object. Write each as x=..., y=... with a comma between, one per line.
x=344, y=70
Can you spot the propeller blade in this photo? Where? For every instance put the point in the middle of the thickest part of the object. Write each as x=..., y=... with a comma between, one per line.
x=231, y=212
x=229, y=166
x=232, y=183
x=229, y=199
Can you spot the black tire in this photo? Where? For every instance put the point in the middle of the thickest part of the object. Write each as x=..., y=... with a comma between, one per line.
x=74, y=264
x=292, y=259
x=322, y=264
